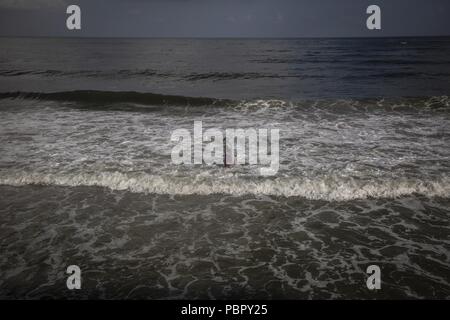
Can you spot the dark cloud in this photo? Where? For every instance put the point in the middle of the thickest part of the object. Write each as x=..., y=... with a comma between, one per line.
x=225, y=18
x=31, y=4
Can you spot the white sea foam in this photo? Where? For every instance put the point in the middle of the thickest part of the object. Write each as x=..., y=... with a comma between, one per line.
x=330, y=188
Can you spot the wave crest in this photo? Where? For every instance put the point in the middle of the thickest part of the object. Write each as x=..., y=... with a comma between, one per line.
x=141, y=101
x=110, y=97
x=329, y=188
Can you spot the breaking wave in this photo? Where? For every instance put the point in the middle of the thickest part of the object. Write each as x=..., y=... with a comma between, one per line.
x=110, y=97
x=329, y=188
x=142, y=101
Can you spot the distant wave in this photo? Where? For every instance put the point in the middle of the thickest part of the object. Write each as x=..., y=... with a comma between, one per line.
x=135, y=73
x=99, y=97
x=350, y=59
x=83, y=73
x=141, y=101
x=329, y=188
x=215, y=76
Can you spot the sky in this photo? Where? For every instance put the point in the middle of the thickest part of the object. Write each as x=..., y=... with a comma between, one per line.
x=224, y=18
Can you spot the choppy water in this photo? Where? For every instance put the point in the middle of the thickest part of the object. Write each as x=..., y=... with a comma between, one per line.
x=87, y=179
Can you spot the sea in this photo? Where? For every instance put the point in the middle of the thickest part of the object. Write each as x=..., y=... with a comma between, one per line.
x=86, y=176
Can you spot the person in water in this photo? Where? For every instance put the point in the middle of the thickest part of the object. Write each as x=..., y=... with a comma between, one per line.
x=225, y=164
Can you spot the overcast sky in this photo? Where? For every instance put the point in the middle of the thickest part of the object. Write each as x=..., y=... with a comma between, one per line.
x=224, y=18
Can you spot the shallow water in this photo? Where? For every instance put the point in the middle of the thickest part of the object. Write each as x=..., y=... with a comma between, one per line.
x=134, y=245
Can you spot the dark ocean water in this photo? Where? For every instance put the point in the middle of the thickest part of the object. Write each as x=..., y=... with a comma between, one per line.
x=86, y=176
x=287, y=69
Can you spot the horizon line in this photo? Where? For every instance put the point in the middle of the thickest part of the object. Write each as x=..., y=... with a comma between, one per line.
x=224, y=37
